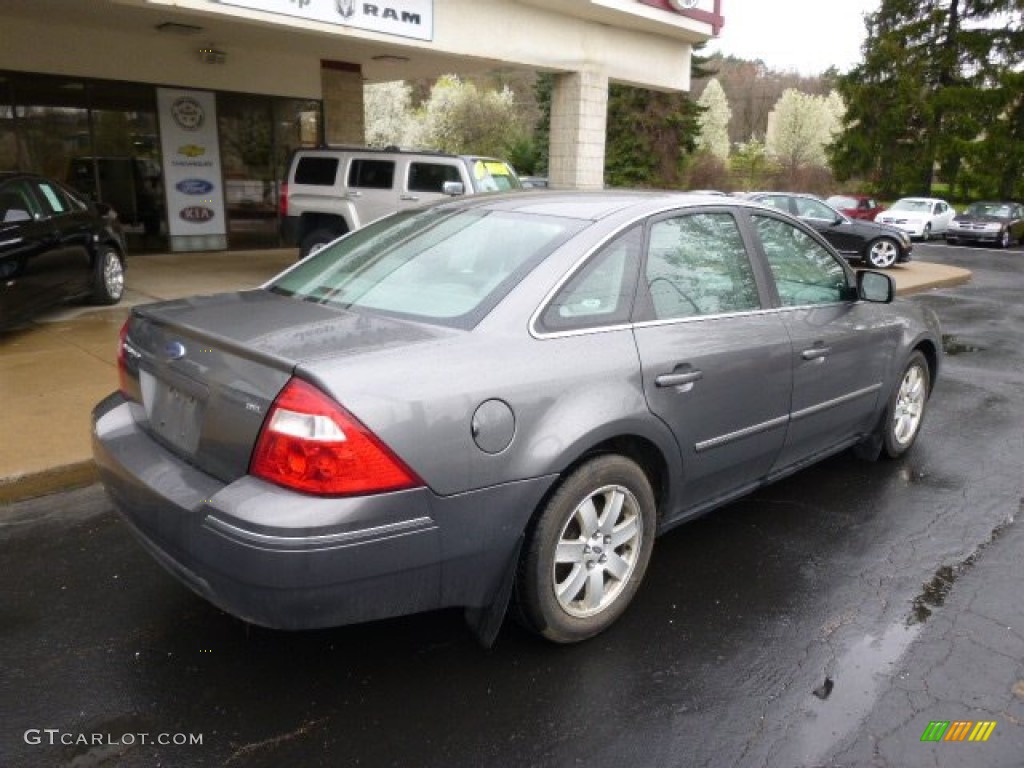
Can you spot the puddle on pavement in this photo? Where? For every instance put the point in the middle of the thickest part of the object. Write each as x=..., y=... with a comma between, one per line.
x=934, y=592
x=857, y=673
x=852, y=689
x=953, y=346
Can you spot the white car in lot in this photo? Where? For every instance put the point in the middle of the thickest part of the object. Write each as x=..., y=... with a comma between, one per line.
x=920, y=217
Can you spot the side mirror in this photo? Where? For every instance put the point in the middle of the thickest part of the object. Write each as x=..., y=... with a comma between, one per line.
x=453, y=188
x=875, y=287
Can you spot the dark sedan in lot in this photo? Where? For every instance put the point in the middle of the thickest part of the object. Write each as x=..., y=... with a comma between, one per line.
x=874, y=244
x=1001, y=223
x=498, y=396
x=54, y=248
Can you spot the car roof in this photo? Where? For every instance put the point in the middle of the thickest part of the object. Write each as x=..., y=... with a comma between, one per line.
x=590, y=205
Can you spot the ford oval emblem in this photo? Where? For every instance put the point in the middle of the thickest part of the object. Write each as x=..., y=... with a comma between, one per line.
x=174, y=350
x=194, y=187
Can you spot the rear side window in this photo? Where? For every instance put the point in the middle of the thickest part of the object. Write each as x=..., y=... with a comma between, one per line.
x=17, y=203
x=601, y=293
x=371, y=174
x=316, y=171
x=697, y=265
x=430, y=177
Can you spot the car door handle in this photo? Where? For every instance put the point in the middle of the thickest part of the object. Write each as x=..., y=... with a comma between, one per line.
x=409, y=198
x=816, y=353
x=678, y=379
x=353, y=194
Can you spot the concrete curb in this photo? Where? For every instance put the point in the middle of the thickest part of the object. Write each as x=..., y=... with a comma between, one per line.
x=54, y=480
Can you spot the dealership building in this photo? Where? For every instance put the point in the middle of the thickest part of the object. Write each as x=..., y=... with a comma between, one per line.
x=168, y=107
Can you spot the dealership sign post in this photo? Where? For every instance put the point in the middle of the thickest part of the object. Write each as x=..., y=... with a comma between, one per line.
x=192, y=172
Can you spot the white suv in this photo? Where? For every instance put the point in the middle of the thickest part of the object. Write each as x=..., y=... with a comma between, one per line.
x=334, y=190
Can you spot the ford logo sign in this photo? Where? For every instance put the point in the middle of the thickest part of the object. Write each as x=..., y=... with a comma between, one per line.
x=174, y=350
x=194, y=187
x=196, y=213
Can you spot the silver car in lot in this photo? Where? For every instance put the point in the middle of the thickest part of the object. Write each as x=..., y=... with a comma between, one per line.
x=495, y=398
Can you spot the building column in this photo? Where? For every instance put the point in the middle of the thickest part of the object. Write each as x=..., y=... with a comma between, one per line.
x=579, y=110
x=341, y=85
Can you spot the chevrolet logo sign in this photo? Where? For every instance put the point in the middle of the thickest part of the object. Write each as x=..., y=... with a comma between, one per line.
x=191, y=150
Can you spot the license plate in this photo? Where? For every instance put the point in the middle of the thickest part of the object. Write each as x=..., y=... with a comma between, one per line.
x=173, y=413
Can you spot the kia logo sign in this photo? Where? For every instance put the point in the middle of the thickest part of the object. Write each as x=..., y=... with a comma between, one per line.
x=196, y=214
x=683, y=5
x=194, y=187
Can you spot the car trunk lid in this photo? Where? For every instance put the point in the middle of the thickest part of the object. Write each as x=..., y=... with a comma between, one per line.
x=207, y=369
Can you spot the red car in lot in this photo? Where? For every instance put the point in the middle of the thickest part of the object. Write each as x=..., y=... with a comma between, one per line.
x=856, y=206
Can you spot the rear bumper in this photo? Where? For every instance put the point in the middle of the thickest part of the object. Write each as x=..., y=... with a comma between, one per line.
x=289, y=561
x=975, y=235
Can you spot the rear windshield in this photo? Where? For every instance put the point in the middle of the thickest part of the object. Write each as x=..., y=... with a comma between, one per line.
x=493, y=175
x=442, y=266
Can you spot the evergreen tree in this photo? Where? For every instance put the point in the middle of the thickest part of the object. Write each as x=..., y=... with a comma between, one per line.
x=937, y=89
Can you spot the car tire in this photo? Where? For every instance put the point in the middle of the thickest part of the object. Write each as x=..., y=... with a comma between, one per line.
x=906, y=409
x=926, y=233
x=587, y=551
x=1004, y=239
x=316, y=240
x=882, y=253
x=108, y=276
x=951, y=240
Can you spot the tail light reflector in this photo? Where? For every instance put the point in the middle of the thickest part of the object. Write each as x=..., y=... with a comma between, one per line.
x=282, y=200
x=310, y=443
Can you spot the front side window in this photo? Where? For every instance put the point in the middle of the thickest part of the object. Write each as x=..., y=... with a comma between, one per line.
x=57, y=201
x=430, y=177
x=449, y=267
x=697, y=265
x=371, y=174
x=805, y=272
x=812, y=209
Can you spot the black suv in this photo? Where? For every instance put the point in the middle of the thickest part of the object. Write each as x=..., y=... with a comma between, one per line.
x=877, y=245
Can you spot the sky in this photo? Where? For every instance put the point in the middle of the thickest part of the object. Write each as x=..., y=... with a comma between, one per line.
x=805, y=36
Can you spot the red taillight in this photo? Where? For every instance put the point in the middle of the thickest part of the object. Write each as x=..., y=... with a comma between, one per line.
x=312, y=444
x=282, y=200
x=123, y=381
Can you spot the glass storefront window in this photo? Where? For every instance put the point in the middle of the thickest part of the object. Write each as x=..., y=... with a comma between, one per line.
x=102, y=138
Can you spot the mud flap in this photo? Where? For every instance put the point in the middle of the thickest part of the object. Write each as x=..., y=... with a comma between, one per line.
x=485, y=621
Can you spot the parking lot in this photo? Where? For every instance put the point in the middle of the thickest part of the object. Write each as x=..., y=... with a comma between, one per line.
x=826, y=620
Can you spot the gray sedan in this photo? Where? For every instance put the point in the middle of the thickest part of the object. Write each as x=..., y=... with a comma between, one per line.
x=496, y=398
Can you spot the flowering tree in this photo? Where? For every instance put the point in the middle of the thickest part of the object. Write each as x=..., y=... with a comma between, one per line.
x=388, y=112
x=714, y=120
x=800, y=126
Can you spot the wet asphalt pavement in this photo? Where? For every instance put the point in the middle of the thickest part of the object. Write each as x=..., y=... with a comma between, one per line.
x=824, y=621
